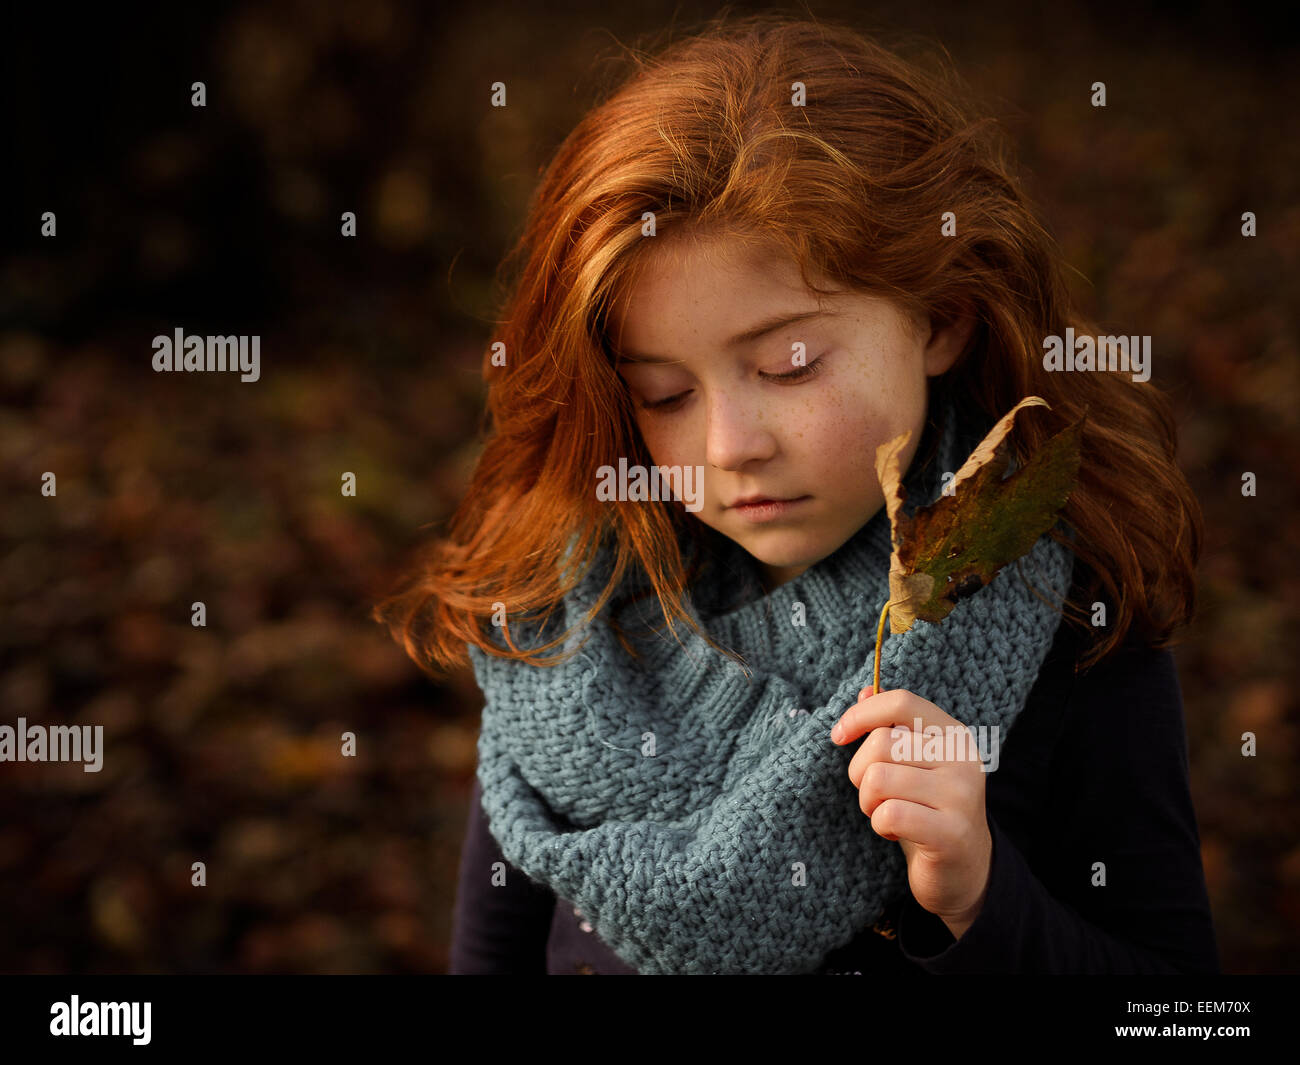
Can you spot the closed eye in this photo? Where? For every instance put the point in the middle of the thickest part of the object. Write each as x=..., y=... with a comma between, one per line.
x=803, y=373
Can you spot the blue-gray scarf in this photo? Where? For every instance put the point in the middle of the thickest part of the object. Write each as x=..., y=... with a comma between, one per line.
x=699, y=821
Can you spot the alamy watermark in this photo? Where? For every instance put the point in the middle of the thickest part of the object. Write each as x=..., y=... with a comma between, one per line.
x=102, y=1018
x=1071, y=353
x=659, y=483
x=57, y=743
x=950, y=743
x=195, y=354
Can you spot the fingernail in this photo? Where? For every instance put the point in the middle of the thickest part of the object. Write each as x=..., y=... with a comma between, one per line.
x=837, y=732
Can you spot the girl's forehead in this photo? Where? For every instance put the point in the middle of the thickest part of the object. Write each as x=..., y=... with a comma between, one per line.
x=683, y=266
x=709, y=288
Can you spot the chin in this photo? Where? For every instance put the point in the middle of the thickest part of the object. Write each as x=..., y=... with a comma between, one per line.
x=795, y=556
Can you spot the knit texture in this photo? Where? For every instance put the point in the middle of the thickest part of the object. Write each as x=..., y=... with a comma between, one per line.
x=695, y=816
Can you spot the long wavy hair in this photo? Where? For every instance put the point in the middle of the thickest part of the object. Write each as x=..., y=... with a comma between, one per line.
x=705, y=136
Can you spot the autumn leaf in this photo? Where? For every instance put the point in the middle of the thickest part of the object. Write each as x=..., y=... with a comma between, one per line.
x=952, y=548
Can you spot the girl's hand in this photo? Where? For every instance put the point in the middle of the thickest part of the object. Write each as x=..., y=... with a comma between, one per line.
x=935, y=809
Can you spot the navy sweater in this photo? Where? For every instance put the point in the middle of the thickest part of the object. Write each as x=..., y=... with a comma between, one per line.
x=1095, y=769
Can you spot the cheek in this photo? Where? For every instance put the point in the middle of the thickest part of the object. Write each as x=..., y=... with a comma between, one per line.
x=850, y=428
x=842, y=425
x=662, y=446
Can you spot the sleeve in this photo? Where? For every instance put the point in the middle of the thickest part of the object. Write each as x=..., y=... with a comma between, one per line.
x=496, y=929
x=1119, y=796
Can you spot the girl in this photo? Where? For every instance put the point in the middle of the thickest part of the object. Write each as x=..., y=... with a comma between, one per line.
x=774, y=248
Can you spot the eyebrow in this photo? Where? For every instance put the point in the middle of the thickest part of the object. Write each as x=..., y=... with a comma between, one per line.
x=756, y=332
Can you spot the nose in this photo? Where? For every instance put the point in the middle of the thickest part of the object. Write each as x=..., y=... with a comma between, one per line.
x=736, y=432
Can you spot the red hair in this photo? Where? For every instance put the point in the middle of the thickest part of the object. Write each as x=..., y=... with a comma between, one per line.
x=853, y=186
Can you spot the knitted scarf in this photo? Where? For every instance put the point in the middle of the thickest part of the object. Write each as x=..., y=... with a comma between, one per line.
x=699, y=819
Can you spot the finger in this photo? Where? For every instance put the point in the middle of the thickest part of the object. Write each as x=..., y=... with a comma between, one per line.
x=888, y=780
x=897, y=744
x=896, y=707
x=899, y=819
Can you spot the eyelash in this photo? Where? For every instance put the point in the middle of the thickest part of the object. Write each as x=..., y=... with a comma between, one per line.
x=804, y=373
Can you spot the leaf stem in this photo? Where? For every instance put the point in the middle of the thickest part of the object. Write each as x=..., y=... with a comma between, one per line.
x=880, y=635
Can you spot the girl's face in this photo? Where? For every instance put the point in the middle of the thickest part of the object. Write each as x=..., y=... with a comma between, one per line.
x=714, y=333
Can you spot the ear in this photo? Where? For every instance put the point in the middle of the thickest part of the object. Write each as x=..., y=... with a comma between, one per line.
x=947, y=342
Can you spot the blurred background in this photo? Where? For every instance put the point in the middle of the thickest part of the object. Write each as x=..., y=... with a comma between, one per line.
x=223, y=741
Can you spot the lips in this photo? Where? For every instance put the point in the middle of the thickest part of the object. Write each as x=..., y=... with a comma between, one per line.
x=747, y=500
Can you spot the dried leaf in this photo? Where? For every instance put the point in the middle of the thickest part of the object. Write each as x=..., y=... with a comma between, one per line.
x=956, y=545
